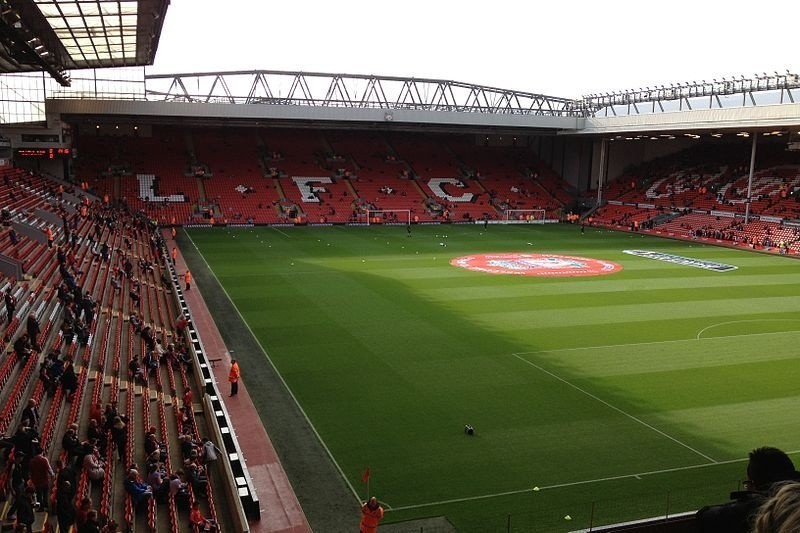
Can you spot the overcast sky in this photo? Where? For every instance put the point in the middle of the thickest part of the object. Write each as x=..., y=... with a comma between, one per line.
x=560, y=48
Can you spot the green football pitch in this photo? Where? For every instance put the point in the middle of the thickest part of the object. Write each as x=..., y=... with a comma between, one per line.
x=594, y=399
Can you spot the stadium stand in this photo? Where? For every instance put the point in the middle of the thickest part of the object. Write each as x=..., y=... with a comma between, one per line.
x=103, y=310
x=273, y=176
x=701, y=193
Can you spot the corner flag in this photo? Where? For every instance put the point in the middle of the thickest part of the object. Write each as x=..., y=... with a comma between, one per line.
x=365, y=476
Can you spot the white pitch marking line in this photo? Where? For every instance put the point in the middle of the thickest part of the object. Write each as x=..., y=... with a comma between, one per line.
x=638, y=475
x=615, y=408
x=745, y=321
x=281, y=232
x=652, y=343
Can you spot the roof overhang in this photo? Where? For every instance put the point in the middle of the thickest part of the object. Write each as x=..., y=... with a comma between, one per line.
x=266, y=114
x=61, y=35
x=768, y=117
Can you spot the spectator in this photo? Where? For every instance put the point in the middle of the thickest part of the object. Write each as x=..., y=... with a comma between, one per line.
x=69, y=381
x=22, y=347
x=187, y=445
x=150, y=362
x=22, y=439
x=767, y=466
x=119, y=432
x=65, y=508
x=148, y=337
x=11, y=304
x=82, y=512
x=157, y=482
x=180, y=325
x=54, y=370
x=136, y=371
x=26, y=504
x=197, y=478
x=33, y=329
x=210, y=452
x=97, y=436
x=41, y=476
x=96, y=413
x=199, y=521
x=178, y=489
x=136, y=322
x=65, y=479
x=17, y=482
x=781, y=512
x=92, y=524
x=188, y=398
x=138, y=490
x=94, y=465
x=71, y=444
x=31, y=414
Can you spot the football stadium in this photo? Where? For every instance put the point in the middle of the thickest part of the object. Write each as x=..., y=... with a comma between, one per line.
x=252, y=300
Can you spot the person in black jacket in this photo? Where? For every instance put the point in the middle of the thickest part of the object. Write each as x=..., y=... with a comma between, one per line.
x=768, y=467
x=22, y=347
x=25, y=509
x=32, y=325
x=11, y=304
x=65, y=507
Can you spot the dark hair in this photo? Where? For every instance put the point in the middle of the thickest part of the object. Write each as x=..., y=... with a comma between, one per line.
x=768, y=465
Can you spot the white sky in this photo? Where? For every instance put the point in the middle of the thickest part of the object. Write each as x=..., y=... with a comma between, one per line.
x=561, y=48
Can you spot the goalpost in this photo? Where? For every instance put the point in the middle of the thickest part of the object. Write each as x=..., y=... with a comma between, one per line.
x=389, y=217
x=524, y=216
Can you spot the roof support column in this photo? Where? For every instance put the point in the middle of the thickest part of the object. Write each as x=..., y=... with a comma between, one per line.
x=750, y=178
x=602, y=173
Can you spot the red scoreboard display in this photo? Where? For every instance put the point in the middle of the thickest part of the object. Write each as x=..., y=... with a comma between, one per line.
x=43, y=153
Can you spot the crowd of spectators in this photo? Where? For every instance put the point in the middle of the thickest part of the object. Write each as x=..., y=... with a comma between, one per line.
x=127, y=245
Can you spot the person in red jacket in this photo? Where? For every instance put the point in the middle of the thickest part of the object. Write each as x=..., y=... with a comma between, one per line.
x=41, y=475
x=200, y=522
x=371, y=514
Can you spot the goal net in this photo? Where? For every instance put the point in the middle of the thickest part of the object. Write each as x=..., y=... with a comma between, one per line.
x=396, y=217
x=524, y=216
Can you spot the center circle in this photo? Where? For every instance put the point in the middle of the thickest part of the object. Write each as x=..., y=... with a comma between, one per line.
x=536, y=264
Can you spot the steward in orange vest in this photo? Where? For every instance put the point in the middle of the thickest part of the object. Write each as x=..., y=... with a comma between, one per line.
x=371, y=514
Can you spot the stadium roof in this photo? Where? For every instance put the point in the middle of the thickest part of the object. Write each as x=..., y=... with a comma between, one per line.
x=60, y=35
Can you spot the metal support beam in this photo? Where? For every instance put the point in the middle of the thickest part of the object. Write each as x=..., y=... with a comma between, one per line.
x=707, y=92
x=355, y=91
x=750, y=178
x=602, y=173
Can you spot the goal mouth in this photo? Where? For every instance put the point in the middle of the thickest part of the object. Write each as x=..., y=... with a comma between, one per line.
x=524, y=216
x=389, y=217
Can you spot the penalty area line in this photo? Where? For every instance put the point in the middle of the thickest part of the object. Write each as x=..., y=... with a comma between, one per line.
x=615, y=408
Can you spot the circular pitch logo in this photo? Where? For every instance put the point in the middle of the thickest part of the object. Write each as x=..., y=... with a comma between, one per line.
x=536, y=265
